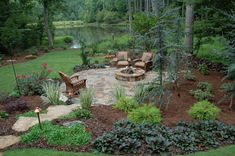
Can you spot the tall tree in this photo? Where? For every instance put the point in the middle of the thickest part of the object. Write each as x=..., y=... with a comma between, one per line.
x=46, y=22
x=130, y=15
x=189, y=27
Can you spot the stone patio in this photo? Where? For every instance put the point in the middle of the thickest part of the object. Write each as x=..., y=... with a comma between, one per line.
x=102, y=82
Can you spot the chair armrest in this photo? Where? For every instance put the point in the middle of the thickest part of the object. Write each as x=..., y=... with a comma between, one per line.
x=129, y=59
x=79, y=82
x=137, y=60
x=114, y=59
x=74, y=77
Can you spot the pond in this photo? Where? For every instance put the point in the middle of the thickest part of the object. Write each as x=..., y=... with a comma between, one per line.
x=90, y=34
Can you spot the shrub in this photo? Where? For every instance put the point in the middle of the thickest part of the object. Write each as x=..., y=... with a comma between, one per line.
x=205, y=86
x=68, y=39
x=57, y=135
x=82, y=113
x=203, y=69
x=3, y=115
x=32, y=84
x=189, y=76
x=78, y=68
x=16, y=105
x=145, y=114
x=126, y=104
x=86, y=98
x=204, y=110
x=52, y=92
x=119, y=93
x=229, y=89
x=201, y=95
x=14, y=94
x=127, y=137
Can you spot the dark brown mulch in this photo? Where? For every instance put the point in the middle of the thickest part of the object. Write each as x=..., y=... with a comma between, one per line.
x=177, y=110
x=219, y=67
x=102, y=120
x=6, y=124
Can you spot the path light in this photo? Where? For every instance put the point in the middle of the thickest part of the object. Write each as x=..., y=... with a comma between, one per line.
x=37, y=111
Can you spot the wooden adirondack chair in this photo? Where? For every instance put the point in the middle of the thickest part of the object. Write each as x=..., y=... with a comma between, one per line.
x=73, y=84
x=145, y=62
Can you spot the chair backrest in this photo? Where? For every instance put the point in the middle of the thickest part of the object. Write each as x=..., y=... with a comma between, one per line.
x=65, y=78
x=147, y=56
x=122, y=56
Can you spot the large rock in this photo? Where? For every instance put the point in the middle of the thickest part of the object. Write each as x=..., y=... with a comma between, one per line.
x=8, y=140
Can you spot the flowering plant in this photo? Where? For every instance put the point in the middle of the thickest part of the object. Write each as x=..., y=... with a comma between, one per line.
x=31, y=84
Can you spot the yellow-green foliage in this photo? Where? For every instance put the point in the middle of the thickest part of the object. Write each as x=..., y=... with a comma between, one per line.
x=204, y=110
x=145, y=114
x=126, y=104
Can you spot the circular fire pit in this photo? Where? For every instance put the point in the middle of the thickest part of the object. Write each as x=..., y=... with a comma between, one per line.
x=130, y=74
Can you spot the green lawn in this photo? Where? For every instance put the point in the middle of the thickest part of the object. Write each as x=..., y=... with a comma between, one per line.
x=57, y=61
x=42, y=152
x=222, y=151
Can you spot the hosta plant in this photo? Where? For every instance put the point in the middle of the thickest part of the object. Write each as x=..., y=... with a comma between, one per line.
x=203, y=69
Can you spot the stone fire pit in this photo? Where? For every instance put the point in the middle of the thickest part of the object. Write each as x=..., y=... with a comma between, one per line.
x=130, y=74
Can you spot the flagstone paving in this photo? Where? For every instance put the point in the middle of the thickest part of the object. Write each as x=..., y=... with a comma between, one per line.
x=102, y=82
x=53, y=112
x=8, y=140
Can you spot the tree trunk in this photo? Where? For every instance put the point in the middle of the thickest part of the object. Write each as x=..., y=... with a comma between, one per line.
x=189, y=28
x=141, y=7
x=46, y=23
x=130, y=15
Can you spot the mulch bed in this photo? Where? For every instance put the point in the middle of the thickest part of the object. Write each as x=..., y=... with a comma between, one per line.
x=103, y=117
x=6, y=124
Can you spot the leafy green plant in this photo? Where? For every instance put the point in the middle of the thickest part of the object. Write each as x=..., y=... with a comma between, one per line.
x=188, y=75
x=201, y=95
x=203, y=91
x=126, y=104
x=145, y=114
x=203, y=69
x=86, y=98
x=16, y=105
x=57, y=135
x=205, y=86
x=119, y=93
x=229, y=89
x=68, y=39
x=30, y=114
x=32, y=84
x=127, y=137
x=204, y=110
x=52, y=92
x=3, y=115
x=82, y=113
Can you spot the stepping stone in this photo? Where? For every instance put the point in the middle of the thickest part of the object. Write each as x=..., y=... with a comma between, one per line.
x=8, y=140
x=53, y=112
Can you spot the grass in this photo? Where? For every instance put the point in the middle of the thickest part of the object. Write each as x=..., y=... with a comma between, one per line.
x=226, y=151
x=210, y=49
x=45, y=152
x=30, y=114
x=58, y=61
x=75, y=135
x=222, y=151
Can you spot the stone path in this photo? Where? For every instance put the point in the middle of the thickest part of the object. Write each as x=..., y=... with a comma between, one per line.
x=8, y=140
x=103, y=82
x=53, y=112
